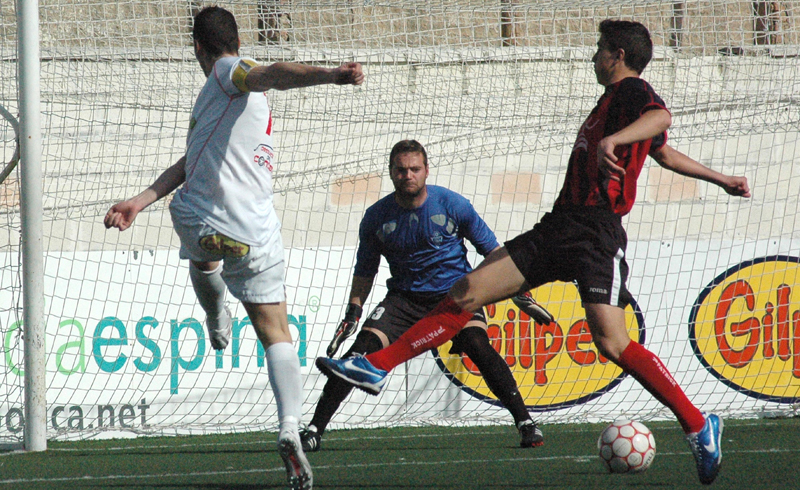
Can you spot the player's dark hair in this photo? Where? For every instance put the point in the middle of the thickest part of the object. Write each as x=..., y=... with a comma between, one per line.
x=407, y=146
x=631, y=37
x=216, y=31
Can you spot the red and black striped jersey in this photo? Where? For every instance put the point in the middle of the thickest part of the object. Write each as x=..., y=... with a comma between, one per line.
x=584, y=186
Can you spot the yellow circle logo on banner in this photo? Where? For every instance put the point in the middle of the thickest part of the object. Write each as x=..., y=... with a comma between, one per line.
x=555, y=365
x=745, y=328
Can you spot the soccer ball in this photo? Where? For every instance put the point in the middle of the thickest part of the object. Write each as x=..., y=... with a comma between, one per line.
x=626, y=446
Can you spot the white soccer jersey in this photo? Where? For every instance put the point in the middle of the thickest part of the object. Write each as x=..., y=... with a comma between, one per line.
x=229, y=158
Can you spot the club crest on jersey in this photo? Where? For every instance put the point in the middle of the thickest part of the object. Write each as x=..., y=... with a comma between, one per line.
x=582, y=143
x=450, y=226
x=386, y=229
x=263, y=156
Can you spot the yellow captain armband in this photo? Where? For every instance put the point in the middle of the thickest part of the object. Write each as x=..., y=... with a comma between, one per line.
x=240, y=74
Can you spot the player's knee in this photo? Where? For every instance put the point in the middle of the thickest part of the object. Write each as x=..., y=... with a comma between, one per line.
x=473, y=341
x=610, y=348
x=366, y=343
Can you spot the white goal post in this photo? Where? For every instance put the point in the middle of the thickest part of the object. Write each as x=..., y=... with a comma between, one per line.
x=496, y=91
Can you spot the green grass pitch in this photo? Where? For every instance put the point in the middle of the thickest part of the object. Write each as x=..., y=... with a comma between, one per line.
x=757, y=454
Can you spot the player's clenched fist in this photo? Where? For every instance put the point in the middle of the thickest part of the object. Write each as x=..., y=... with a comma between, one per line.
x=349, y=74
x=121, y=215
x=736, y=186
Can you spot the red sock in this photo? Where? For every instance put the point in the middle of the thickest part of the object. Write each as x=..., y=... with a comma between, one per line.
x=652, y=374
x=433, y=330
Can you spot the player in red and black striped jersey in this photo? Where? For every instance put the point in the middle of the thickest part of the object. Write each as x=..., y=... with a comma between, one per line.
x=582, y=240
x=585, y=185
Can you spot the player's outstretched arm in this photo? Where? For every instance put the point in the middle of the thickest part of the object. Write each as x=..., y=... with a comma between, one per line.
x=672, y=159
x=122, y=214
x=287, y=75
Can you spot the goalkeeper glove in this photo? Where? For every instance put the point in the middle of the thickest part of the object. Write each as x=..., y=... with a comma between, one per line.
x=347, y=327
x=526, y=303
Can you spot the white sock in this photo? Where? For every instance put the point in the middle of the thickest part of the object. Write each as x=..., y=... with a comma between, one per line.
x=283, y=367
x=209, y=289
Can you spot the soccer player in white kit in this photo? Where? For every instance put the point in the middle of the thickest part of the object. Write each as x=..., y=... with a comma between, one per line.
x=224, y=212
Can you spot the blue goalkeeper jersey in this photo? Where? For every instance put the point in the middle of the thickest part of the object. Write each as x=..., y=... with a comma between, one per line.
x=424, y=247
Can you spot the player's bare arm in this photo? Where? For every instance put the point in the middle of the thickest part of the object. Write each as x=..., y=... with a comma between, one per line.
x=286, y=75
x=122, y=214
x=487, y=255
x=673, y=160
x=650, y=124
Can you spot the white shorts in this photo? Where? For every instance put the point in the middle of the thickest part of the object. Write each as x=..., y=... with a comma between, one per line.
x=252, y=274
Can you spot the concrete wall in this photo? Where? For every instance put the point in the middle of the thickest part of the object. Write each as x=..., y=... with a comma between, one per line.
x=119, y=81
x=497, y=131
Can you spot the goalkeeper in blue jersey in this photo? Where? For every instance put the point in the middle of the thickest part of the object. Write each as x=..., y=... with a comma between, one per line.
x=420, y=230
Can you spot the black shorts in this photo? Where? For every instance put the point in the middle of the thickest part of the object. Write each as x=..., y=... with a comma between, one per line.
x=399, y=311
x=586, y=246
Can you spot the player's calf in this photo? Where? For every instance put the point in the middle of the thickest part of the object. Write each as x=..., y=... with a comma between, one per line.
x=219, y=329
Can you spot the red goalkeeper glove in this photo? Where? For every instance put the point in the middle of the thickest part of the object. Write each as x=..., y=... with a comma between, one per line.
x=347, y=327
x=526, y=303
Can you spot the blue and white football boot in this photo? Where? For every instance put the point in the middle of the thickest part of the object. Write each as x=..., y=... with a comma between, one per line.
x=356, y=370
x=706, y=449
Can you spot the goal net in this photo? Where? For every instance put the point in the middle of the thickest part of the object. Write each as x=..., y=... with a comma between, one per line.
x=496, y=91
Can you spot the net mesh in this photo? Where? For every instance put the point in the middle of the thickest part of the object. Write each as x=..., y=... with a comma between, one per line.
x=496, y=92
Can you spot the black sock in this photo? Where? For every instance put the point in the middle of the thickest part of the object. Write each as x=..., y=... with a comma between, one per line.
x=475, y=343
